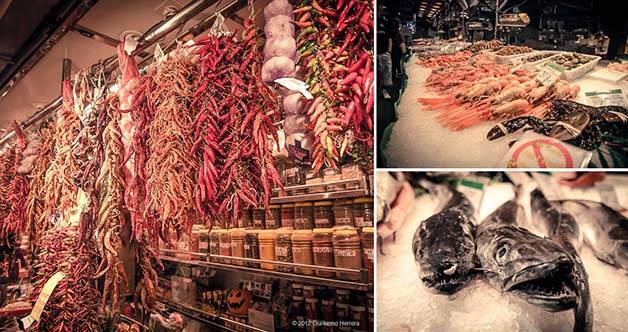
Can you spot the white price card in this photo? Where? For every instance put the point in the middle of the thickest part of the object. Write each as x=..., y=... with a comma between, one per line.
x=42, y=299
x=295, y=85
x=549, y=74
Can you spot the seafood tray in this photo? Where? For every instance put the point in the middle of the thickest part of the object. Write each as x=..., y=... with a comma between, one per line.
x=530, y=65
x=578, y=71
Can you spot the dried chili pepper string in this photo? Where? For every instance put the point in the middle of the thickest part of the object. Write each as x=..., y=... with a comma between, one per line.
x=17, y=193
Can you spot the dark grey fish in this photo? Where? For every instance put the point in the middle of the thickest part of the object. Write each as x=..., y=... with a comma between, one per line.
x=516, y=261
x=605, y=230
x=564, y=230
x=444, y=246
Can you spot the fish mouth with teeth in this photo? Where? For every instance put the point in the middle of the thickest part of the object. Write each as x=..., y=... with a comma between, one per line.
x=448, y=283
x=547, y=285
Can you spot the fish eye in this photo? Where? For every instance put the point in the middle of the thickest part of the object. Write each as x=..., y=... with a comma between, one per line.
x=502, y=251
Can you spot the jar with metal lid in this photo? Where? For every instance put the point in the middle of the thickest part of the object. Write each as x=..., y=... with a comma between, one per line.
x=245, y=219
x=343, y=296
x=237, y=244
x=266, y=240
x=259, y=219
x=309, y=291
x=214, y=243
x=343, y=314
x=251, y=247
x=287, y=215
x=328, y=310
x=323, y=250
x=347, y=252
x=294, y=176
x=343, y=212
x=311, y=308
x=359, y=315
x=323, y=214
x=303, y=215
x=351, y=172
x=302, y=250
x=368, y=244
x=363, y=212
x=298, y=306
x=225, y=245
x=203, y=239
x=273, y=216
x=310, y=179
x=283, y=249
x=333, y=175
x=297, y=289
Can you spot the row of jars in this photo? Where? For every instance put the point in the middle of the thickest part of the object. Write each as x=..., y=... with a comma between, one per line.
x=342, y=247
x=308, y=215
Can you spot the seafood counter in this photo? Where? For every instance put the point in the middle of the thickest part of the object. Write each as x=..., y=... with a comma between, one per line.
x=466, y=109
x=510, y=260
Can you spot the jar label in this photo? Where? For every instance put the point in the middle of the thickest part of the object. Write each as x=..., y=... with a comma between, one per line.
x=281, y=251
x=322, y=250
x=345, y=252
x=225, y=245
x=343, y=221
x=322, y=221
x=369, y=254
x=202, y=245
x=247, y=247
x=359, y=222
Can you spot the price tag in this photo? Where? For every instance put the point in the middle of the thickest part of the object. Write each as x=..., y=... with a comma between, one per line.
x=549, y=74
x=42, y=299
x=606, y=98
x=295, y=85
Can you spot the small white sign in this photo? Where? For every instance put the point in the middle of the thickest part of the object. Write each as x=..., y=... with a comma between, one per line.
x=295, y=85
x=549, y=74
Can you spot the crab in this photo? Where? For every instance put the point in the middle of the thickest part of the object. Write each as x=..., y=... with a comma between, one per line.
x=584, y=126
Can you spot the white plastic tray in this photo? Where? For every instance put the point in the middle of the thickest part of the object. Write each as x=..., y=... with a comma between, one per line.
x=573, y=74
x=533, y=65
x=509, y=59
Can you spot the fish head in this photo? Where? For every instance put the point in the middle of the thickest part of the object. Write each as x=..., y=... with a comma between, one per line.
x=534, y=268
x=444, y=250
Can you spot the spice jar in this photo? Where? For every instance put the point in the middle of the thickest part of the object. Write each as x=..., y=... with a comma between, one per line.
x=203, y=240
x=214, y=244
x=343, y=296
x=363, y=212
x=302, y=250
x=273, y=216
x=309, y=291
x=367, y=249
x=245, y=219
x=347, y=252
x=323, y=214
x=266, y=240
x=343, y=212
x=333, y=175
x=311, y=308
x=298, y=306
x=323, y=250
x=312, y=178
x=297, y=289
x=225, y=245
x=287, y=214
x=343, y=315
x=371, y=318
x=328, y=310
x=359, y=315
x=351, y=172
x=303, y=215
x=251, y=247
x=259, y=218
x=294, y=176
x=237, y=244
x=283, y=249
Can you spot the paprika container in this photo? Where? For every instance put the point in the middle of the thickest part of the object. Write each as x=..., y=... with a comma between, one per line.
x=311, y=178
x=323, y=250
x=347, y=252
x=312, y=308
x=351, y=172
x=273, y=216
x=259, y=219
x=266, y=240
x=367, y=250
x=287, y=215
x=343, y=315
x=303, y=215
x=323, y=214
x=245, y=219
x=343, y=212
x=302, y=250
x=237, y=244
x=298, y=306
x=202, y=234
x=363, y=212
x=214, y=243
x=283, y=249
x=251, y=247
x=328, y=310
x=297, y=289
x=225, y=245
x=343, y=296
x=332, y=175
x=359, y=315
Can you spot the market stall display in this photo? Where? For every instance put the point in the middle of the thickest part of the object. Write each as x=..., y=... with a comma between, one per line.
x=133, y=185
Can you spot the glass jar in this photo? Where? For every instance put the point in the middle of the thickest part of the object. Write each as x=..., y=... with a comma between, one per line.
x=303, y=215
x=323, y=250
x=343, y=296
x=333, y=175
x=298, y=306
x=371, y=319
x=297, y=289
x=311, y=308
x=309, y=291
x=294, y=176
x=363, y=212
x=367, y=250
x=266, y=240
x=323, y=214
x=214, y=244
x=251, y=247
x=259, y=219
x=237, y=244
x=203, y=240
x=343, y=212
x=351, y=172
x=287, y=215
x=225, y=245
x=273, y=216
x=359, y=315
x=328, y=310
x=343, y=313
x=347, y=252
x=245, y=219
x=283, y=249
x=302, y=250
x=311, y=178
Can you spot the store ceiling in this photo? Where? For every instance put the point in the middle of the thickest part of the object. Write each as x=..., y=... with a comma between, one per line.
x=429, y=8
x=107, y=17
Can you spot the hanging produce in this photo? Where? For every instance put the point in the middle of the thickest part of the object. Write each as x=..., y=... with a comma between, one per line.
x=337, y=64
x=17, y=191
x=233, y=127
x=73, y=305
x=128, y=83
